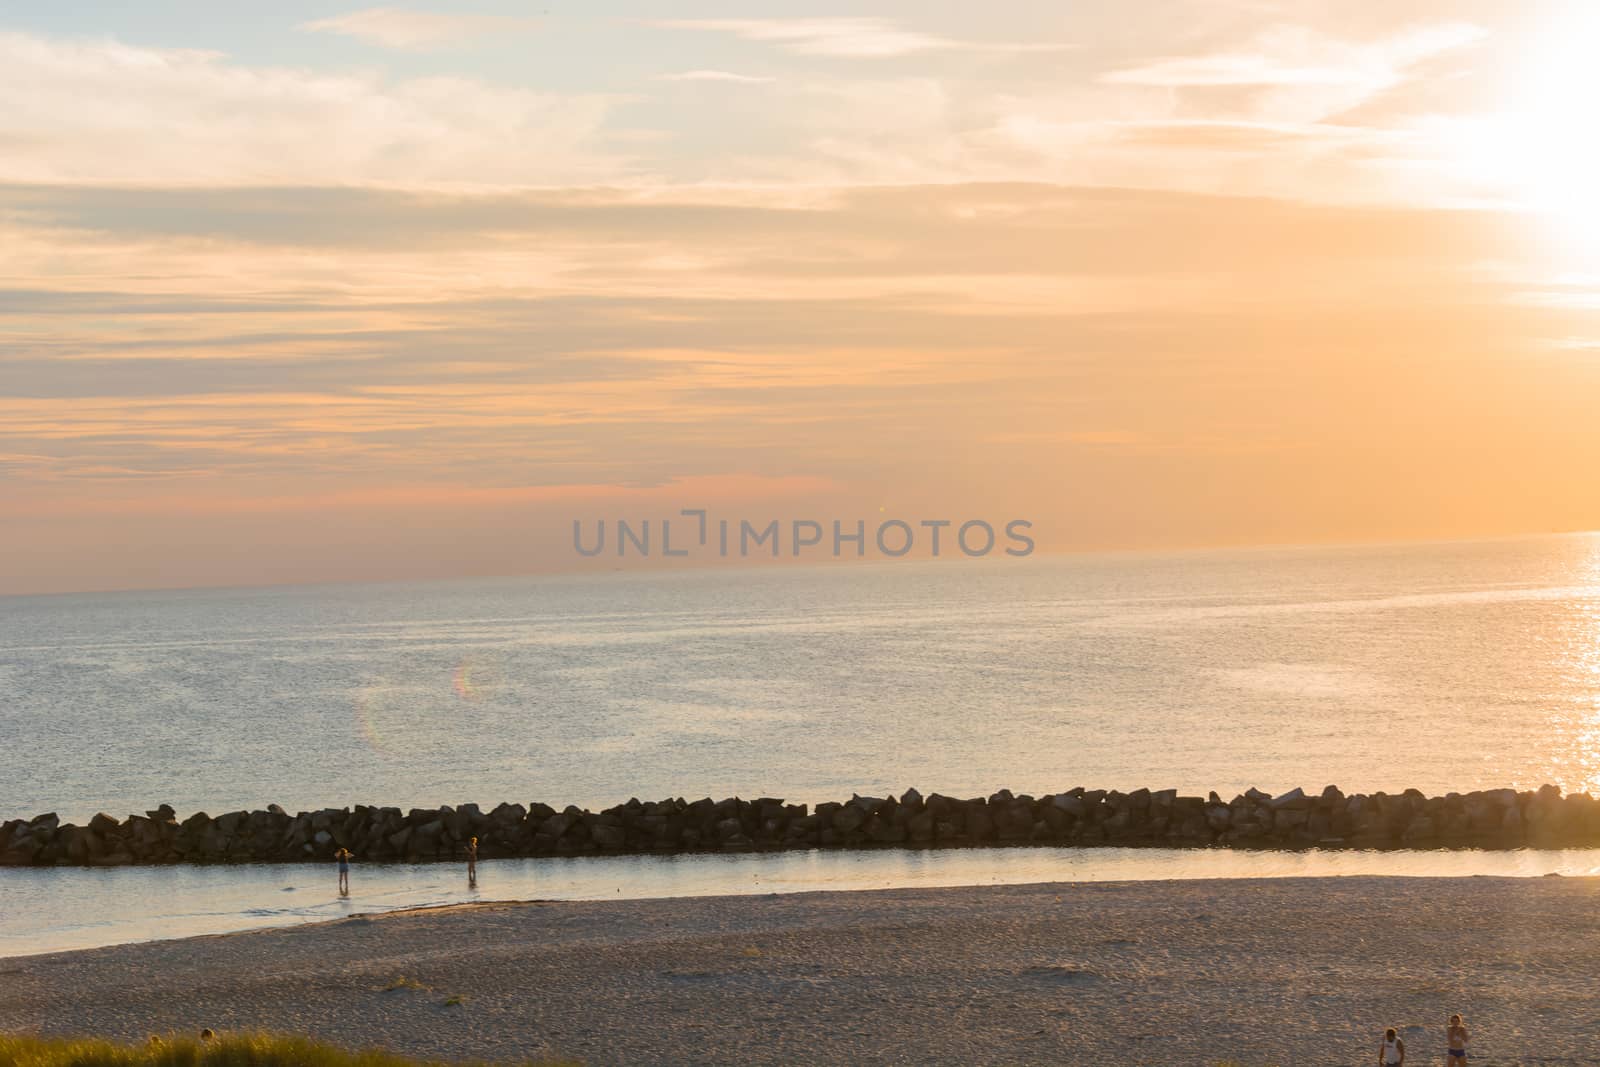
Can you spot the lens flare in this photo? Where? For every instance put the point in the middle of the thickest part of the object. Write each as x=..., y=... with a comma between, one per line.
x=394, y=715
x=376, y=715
x=463, y=683
x=476, y=678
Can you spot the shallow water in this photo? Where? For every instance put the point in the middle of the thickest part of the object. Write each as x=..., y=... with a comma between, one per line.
x=53, y=909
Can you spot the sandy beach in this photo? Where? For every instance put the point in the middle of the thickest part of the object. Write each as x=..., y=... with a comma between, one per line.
x=1301, y=971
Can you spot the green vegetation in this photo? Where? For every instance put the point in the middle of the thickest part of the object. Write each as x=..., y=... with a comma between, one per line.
x=405, y=983
x=232, y=1050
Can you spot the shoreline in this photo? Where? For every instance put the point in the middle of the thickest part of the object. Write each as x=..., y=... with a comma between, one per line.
x=64, y=909
x=1303, y=970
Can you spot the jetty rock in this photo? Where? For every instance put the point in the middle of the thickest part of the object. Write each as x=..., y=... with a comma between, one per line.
x=1296, y=819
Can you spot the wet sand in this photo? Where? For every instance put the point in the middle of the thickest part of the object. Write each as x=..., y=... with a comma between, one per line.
x=1272, y=971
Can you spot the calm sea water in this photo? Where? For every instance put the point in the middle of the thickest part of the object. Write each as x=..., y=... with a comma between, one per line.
x=1443, y=666
x=1438, y=666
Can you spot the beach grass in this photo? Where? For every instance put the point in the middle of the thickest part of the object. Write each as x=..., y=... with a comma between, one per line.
x=405, y=983
x=231, y=1050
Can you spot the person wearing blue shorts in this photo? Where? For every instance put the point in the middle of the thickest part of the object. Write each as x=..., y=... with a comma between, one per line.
x=1456, y=1041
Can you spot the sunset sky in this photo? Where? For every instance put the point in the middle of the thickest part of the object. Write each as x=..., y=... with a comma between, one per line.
x=307, y=292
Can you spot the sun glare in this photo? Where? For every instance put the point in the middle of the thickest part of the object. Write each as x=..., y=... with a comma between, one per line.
x=1537, y=149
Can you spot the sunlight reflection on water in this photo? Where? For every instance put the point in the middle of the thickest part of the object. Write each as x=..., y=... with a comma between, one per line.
x=1439, y=667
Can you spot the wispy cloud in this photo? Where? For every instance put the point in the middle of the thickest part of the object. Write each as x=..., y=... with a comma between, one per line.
x=1300, y=57
x=1270, y=113
x=392, y=27
x=233, y=352
x=83, y=112
x=716, y=76
x=847, y=38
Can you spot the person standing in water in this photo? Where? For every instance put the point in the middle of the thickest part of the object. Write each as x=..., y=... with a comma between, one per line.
x=343, y=856
x=1392, y=1052
x=472, y=862
x=1455, y=1041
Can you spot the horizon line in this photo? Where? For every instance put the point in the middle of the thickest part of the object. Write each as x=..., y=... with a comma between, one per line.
x=655, y=567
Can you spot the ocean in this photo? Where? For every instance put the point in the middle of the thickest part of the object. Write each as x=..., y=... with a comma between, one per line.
x=1448, y=666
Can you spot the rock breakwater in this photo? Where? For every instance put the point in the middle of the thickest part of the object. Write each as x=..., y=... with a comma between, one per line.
x=1496, y=819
